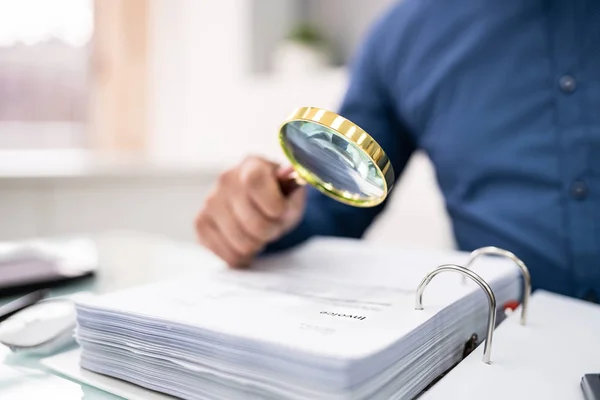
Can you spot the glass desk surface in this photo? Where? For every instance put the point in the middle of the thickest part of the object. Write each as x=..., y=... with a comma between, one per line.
x=125, y=260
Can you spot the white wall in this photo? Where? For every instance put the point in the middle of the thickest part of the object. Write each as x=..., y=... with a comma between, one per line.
x=79, y=197
x=207, y=112
x=70, y=192
x=211, y=108
x=270, y=20
x=207, y=104
x=332, y=16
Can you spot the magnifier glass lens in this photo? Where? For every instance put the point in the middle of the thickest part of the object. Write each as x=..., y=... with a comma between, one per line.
x=334, y=160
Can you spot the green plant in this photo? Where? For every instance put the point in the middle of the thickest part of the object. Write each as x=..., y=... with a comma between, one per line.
x=306, y=34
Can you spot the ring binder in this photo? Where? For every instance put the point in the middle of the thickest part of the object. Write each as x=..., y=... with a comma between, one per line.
x=280, y=310
x=492, y=250
x=487, y=350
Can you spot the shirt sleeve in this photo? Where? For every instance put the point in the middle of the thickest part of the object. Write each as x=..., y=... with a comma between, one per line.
x=369, y=104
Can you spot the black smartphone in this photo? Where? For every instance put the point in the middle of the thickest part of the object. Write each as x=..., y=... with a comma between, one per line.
x=590, y=384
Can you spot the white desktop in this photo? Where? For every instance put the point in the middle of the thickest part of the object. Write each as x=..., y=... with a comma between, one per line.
x=546, y=356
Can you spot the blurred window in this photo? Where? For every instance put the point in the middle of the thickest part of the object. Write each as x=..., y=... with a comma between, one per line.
x=45, y=53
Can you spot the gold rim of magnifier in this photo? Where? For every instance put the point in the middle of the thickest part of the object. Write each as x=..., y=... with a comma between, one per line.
x=355, y=135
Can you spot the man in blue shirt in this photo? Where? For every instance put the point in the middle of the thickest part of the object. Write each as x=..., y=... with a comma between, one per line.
x=503, y=96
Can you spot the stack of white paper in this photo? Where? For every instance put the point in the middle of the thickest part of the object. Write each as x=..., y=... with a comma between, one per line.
x=334, y=319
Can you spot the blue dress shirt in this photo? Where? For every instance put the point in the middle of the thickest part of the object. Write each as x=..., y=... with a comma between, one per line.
x=504, y=97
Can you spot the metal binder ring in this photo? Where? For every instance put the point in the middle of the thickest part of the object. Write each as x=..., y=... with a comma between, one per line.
x=492, y=250
x=487, y=350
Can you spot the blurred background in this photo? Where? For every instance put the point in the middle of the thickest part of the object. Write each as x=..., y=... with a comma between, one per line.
x=119, y=114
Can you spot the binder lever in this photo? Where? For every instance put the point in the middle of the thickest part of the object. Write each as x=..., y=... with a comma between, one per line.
x=470, y=345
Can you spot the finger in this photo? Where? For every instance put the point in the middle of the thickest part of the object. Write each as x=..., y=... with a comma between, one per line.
x=253, y=222
x=210, y=237
x=260, y=180
x=232, y=231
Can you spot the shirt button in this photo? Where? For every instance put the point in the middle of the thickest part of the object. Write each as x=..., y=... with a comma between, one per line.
x=579, y=190
x=567, y=83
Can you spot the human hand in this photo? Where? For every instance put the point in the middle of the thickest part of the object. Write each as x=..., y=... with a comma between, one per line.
x=248, y=208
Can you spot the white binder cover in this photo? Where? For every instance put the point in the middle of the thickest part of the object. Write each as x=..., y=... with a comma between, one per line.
x=545, y=359
x=67, y=365
x=334, y=319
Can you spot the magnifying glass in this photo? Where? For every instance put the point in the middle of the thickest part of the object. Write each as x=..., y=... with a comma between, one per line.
x=335, y=156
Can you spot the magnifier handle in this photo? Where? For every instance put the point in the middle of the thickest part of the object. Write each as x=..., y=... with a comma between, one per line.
x=288, y=185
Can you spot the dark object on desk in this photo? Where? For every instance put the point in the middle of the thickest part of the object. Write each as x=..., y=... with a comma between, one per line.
x=590, y=384
x=470, y=345
x=21, y=303
x=38, y=265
